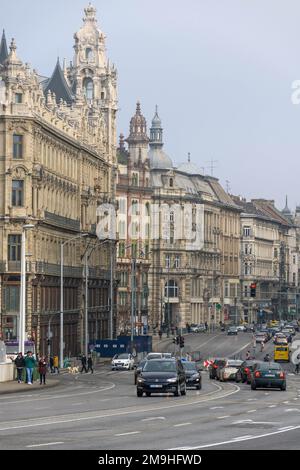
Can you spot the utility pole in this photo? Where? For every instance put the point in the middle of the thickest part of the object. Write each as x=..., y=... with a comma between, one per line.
x=133, y=283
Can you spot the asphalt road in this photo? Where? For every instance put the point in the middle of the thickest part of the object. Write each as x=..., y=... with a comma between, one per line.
x=102, y=411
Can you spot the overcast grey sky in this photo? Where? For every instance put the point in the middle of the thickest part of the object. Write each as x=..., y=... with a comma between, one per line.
x=220, y=71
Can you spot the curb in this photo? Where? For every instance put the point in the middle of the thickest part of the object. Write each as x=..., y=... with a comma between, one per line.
x=51, y=384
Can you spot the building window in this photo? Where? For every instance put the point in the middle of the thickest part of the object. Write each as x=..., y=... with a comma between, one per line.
x=18, y=98
x=171, y=183
x=147, y=207
x=226, y=289
x=14, y=247
x=245, y=291
x=294, y=279
x=171, y=289
x=89, y=54
x=121, y=250
x=102, y=95
x=177, y=261
x=12, y=299
x=294, y=259
x=134, y=208
x=167, y=261
x=124, y=279
x=17, y=146
x=17, y=193
x=122, y=206
x=134, y=249
x=135, y=179
x=88, y=87
x=122, y=233
x=246, y=231
x=123, y=298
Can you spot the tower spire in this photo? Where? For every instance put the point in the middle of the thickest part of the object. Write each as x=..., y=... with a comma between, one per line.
x=3, y=49
x=156, y=131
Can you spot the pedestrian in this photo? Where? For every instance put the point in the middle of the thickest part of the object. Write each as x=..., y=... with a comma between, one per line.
x=55, y=364
x=51, y=364
x=42, y=370
x=160, y=333
x=30, y=364
x=90, y=364
x=248, y=355
x=206, y=326
x=83, y=363
x=20, y=364
x=297, y=367
x=262, y=346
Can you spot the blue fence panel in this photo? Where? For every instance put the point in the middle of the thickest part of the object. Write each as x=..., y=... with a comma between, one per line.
x=108, y=347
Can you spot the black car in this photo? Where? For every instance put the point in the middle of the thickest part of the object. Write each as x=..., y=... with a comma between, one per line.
x=139, y=369
x=232, y=330
x=193, y=374
x=268, y=374
x=162, y=376
x=218, y=362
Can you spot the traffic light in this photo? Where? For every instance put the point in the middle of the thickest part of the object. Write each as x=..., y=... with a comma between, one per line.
x=181, y=341
x=253, y=289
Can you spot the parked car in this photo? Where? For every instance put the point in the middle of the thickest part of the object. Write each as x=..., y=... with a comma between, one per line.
x=193, y=374
x=244, y=372
x=232, y=330
x=242, y=328
x=139, y=369
x=268, y=374
x=229, y=371
x=197, y=328
x=162, y=376
x=122, y=361
x=212, y=369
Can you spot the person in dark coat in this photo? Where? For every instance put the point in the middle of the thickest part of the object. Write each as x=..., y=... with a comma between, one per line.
x=90, y=364
x=42, y=370
x=83, y=363
x=51, y=364
x=20, y=364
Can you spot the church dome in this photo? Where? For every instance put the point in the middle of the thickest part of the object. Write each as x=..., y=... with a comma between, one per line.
x=159, y=159
x=189, y=168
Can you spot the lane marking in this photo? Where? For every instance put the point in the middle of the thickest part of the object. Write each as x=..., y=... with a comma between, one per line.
x=181, y=424
x=154, y=418
x=272, y=406
x=232, y=441
x=292, y=409
x=216, y=407
x=128, y=433
x=251, y=411
x=46, y=444
x=240, y=438
x=222, y=417
x=285, y=428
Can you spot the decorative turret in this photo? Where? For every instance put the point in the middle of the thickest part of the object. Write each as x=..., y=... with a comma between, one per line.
x=3, y=49
x=138, y=128
x=58, y=85
x=156, y=131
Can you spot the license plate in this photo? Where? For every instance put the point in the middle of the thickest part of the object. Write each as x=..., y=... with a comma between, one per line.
x=155, y=386
x=269, y=375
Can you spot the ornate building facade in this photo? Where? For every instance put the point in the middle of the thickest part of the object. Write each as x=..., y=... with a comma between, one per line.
x=193, y=268
x=57, y=165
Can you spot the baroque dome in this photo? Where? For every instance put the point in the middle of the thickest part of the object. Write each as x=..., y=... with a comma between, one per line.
x=159, y=159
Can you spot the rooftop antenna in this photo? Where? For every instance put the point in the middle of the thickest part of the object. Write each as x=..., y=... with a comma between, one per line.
x=212, y=166
x=228, y=188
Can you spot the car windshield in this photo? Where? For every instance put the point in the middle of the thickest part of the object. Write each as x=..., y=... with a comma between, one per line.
x=154, y=356
x=234, y=363
x=269, y=366
x=189, y=366
x=122, y=356
x=160, y=366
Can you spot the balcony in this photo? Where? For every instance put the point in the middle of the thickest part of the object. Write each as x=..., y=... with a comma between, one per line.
x=62, y=222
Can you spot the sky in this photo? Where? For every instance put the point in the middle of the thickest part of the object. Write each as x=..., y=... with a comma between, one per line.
x=220, y=71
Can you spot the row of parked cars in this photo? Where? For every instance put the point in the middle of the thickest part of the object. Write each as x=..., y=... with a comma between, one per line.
x=253, y=372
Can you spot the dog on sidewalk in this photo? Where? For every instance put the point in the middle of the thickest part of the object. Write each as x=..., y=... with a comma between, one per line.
x=73, y=370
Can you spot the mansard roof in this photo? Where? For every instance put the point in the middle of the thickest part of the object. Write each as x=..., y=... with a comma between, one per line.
x=57, y=84
x=3, y=49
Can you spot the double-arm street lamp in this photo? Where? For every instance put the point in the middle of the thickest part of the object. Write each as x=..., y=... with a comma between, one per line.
x=23, y=290
x=61, y=355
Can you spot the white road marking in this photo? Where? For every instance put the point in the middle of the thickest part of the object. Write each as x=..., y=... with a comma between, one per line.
x=251, y=411
x=62, y=419
x=242, y=437
x=231, y=441
x=252, y=399
x=181, y=424
x=291, y=409
x=286, y=402
x=154, y=418
x=128, y=433
x=272, y=406
x=285, y=427
x=250, y=421
x=216, y=407
x=46, y=444
x=222, y=417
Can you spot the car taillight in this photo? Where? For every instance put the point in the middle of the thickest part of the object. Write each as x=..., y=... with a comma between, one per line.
x=282, y=375
x=246, y=370
x=257, y=374
x=215, y=367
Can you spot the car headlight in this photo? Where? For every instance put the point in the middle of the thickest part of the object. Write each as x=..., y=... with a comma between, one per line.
x=140, y=380
x=195, y=376
x=172, y=380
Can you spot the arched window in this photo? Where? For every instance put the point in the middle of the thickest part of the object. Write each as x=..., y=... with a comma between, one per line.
x=89, y=54
x=171, y=289
x=88, y=87
x=171, y=183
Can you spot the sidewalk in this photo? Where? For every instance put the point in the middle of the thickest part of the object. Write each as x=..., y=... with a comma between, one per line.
x=13, y=386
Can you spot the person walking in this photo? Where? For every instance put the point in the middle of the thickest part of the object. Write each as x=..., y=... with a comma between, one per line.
x=42, y=370
x=262, y=346
x=159, y=333
x=90, y=364
x=30, y=364
x=55, y=364
x=83, y=363
x=297, y=365
x=20, y=364
x=248, y=355
x=51, y=364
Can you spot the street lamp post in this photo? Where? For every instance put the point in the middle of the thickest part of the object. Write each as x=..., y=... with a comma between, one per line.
x=61, y=351
x=23, y=290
